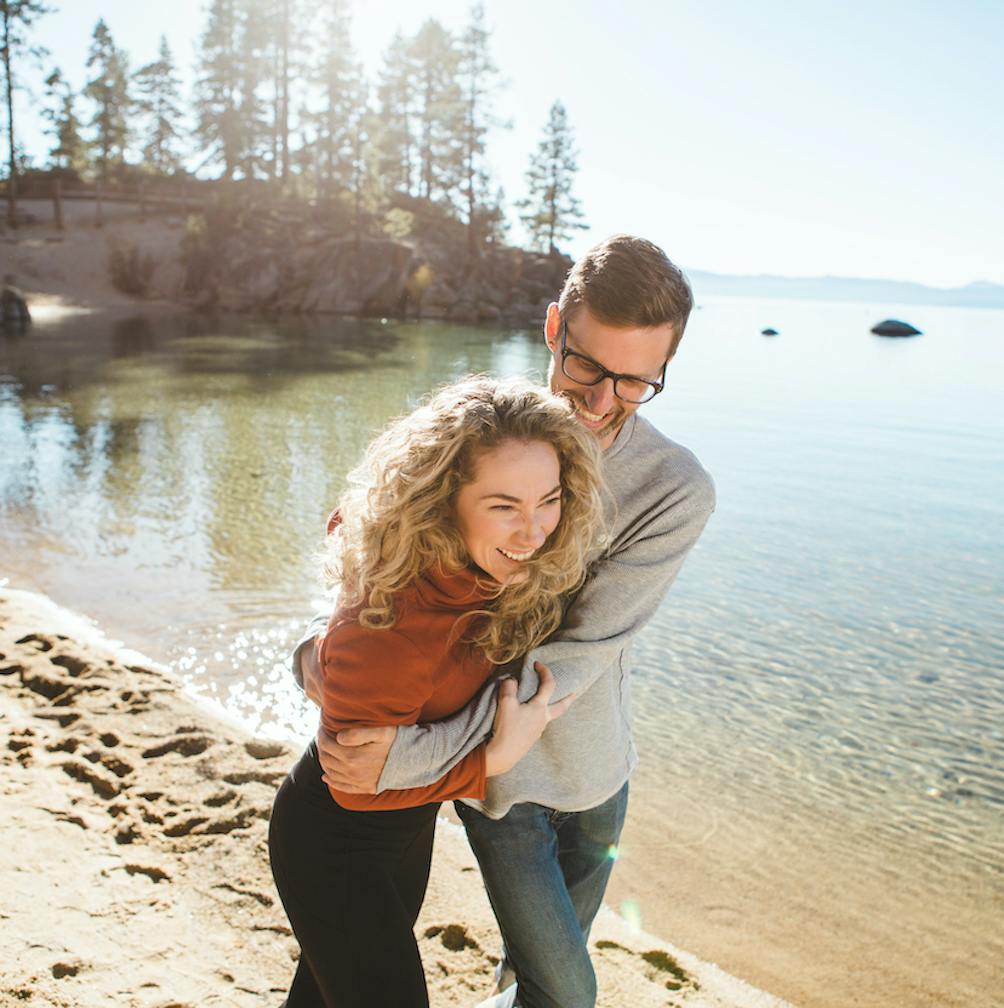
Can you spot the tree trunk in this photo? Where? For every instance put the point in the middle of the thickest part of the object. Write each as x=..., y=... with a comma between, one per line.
x=12, y=176
x=284, y=100
x=57, y=203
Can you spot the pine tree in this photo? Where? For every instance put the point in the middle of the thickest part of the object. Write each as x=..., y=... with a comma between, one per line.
x=438, y=110
x=217, y=117
x=70, y=151
x=552, y=213
x=158, y=102
x=108, y=89
x=342, y=98
x=255, y=127
x=396, y=143
x=478, y=77
x=285, y=19
x=18, y=16
x=364, y=183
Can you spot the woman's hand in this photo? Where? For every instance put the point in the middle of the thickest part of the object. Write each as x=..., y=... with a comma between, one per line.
x=518, y=726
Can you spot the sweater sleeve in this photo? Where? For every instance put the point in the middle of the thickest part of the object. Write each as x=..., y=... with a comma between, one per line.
x=624, y=590
x=379, y=677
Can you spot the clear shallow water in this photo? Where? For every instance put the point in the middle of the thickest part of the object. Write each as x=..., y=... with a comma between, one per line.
x=830, y=662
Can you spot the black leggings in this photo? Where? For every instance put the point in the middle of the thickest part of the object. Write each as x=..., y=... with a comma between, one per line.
x=352, y=884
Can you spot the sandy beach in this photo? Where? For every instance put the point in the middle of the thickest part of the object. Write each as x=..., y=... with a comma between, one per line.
x=134, y=860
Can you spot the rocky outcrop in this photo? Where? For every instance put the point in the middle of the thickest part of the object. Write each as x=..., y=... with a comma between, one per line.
x=894, y=327
x=288, y=267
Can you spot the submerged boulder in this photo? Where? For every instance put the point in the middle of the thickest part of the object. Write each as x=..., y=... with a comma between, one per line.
x=894, y=327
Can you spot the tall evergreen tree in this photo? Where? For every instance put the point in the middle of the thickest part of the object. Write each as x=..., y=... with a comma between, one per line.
x=438, y=110
x=70, y=151
x=552, y=213
x=396, y=143
x=18, y=17
x=286, y=18
x=364, y=182
x=338, y=118
x=158, y=102
x=256, y=130
x=108, y=90
x=478, y=78
x=218, y=124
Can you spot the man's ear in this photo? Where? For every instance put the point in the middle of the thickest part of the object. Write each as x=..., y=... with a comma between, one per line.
x=552, y=326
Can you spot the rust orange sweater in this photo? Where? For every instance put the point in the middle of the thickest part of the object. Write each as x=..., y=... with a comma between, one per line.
x=414, y=671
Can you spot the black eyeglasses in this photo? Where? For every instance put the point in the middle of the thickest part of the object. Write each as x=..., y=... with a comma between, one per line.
x=585, y=371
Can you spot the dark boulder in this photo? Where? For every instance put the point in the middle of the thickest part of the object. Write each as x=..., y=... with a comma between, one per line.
x=893, y=327
x=768, y=332
x=14, y=312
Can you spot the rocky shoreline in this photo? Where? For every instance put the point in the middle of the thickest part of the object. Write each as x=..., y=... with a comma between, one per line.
x=272, y=263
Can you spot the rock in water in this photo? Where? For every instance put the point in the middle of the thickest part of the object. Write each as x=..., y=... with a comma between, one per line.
x=768, y=332
x=893, y=327
x=14, y=312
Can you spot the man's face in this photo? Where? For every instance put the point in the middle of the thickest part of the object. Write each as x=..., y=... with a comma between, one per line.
x=638, y=352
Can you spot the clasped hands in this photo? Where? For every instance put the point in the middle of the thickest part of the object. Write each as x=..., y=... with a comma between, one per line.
x=354, y=758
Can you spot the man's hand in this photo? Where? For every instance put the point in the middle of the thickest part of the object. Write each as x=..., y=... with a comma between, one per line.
x=518, y=725
x=353, y=759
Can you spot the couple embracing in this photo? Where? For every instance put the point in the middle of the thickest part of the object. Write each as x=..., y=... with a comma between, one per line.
x=496, y=553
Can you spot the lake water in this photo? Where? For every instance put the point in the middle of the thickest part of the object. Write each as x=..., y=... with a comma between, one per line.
x=820, y=700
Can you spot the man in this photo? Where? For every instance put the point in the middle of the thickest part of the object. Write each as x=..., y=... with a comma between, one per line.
x=546, y=834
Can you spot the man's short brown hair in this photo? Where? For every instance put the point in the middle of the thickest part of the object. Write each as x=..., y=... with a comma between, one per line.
x=628, y=282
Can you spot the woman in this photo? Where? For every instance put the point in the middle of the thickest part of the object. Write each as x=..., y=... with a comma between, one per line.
x=463, y=529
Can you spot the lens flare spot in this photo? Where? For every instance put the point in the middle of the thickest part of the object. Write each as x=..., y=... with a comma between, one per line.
x=631, y=913
x=612, y=852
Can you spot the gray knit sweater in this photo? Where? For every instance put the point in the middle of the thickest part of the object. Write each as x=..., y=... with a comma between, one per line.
x=660, y=499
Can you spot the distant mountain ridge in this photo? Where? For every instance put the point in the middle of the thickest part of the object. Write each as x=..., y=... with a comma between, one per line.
x=980, y=294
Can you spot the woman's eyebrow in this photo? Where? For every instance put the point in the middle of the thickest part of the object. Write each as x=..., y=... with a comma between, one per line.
x=516, y=500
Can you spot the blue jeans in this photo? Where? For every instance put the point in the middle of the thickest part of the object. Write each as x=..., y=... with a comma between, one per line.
x=546, y=872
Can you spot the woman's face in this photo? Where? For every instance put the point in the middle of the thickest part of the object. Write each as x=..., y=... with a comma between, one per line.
x=510, y=507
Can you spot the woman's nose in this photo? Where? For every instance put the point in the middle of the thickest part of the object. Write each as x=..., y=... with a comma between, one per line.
x=533, y=533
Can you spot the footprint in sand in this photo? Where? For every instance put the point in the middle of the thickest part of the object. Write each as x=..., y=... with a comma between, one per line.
x=260, y=749
x=41, y=643
x=223, y=798
x=453, y=937
x=66, y=969
x=154, y=874
x=259, y=776
x=185, y=745
x=102, y=786
x=74, y=666
x=63, y=718
x=660, y=967
x=22, y=739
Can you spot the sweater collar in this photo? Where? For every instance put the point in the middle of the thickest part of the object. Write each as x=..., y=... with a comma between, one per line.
x=623, y=437
x=455, y=589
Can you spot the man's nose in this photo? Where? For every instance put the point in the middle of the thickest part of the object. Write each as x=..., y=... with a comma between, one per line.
x=600, y=397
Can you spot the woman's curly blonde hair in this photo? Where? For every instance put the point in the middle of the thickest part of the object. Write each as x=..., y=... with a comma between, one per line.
x=399, y=518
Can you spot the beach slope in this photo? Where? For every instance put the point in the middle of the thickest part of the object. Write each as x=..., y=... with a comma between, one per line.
x=134, y=861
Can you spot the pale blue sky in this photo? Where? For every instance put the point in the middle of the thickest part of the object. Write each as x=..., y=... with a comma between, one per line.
x=851, y=139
